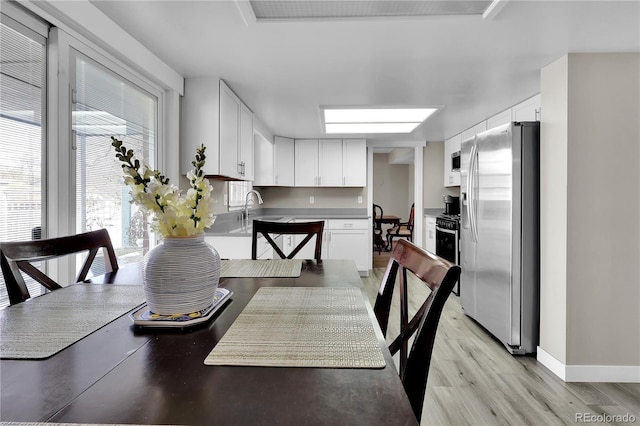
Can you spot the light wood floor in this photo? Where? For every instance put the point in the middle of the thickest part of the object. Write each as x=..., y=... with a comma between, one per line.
x=473, y=380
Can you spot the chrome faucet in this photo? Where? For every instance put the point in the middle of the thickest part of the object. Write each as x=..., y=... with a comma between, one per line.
x=245, y=212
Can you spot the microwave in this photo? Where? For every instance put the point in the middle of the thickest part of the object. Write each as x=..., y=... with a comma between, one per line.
x=455, y=161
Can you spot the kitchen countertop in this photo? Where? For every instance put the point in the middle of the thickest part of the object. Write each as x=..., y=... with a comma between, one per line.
x=231, y=224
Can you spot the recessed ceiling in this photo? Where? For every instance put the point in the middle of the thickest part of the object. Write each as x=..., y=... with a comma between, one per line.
x=316, y=9
x=468, y=66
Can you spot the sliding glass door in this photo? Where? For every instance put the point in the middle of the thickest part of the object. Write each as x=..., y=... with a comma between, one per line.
x=105, y=104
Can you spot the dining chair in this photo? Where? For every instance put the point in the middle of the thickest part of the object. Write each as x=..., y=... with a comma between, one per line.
x=440, y=277
x=401, y=230
x=17, y=256
x=268, y=229
x=377, y=228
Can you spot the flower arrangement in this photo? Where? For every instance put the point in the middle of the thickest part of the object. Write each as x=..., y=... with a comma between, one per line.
x=173, y=214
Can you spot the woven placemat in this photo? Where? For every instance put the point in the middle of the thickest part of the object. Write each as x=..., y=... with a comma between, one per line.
x=43, y=326
x=261, y=268
x=301, y=327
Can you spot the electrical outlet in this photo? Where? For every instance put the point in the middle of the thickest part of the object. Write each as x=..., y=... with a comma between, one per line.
x=359, y=199
x=312, y=199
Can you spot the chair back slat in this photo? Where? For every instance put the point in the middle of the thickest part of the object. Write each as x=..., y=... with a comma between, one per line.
x=440, y=277
x=16, y=256
x=266, y=228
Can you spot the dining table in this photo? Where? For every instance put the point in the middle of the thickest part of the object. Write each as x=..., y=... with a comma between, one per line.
x=386, y=220
x=125, y=374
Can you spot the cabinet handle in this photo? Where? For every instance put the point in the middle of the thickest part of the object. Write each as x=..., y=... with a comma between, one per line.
x=276, y=179
x=344, y=181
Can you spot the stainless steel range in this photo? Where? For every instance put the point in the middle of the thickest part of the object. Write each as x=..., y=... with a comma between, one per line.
x=448, y=240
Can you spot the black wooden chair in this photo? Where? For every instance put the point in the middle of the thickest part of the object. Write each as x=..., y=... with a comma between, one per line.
x=378, y=240
x=402, y=230
x=292, y=228
x=440, y=278
x=17, y=256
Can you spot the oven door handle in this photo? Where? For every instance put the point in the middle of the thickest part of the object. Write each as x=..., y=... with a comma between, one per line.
x=447, y=231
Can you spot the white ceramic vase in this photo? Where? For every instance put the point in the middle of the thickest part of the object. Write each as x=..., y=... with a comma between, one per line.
x=181, y=275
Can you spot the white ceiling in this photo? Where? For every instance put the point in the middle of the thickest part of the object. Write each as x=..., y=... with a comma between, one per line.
x=470, y=67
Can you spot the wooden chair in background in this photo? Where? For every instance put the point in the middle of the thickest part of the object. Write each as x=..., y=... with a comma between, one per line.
x=440, y=278
x=402, y=230
x=293, y=228
x=378, y=240
x=16, y=256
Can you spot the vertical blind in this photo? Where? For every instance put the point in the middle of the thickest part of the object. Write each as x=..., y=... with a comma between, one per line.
x=22, y=88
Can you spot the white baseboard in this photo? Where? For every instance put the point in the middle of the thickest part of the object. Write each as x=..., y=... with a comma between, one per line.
x=589, y=373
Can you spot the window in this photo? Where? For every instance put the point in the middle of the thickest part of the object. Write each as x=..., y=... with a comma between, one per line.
x=22, y=95
x=105, y=105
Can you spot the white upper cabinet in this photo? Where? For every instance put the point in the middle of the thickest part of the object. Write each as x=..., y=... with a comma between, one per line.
x=330, y=162
x=528, y=110
x=229, y=132
x=306, y=162
x=283, y=162
x=264, y=155
x=214, y=116
x=354, y=162
x=245, y=145
x=499, y=119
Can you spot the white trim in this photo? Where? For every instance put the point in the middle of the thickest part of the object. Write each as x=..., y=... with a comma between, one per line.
x=27, y=19
x=418, y=195
x=84, y=21
x=546, y=359
x=494, y=8
x=246, y=11
x=589, y=373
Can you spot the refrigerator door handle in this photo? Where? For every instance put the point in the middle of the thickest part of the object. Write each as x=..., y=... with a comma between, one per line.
x=471, y=191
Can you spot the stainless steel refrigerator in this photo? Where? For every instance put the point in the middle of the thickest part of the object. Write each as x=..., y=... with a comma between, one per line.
x=499, y=233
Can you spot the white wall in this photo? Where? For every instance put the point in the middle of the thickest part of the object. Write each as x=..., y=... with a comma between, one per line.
x=590, y=216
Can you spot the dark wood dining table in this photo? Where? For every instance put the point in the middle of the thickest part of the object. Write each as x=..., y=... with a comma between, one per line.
x=120, y=374
x=388, y=220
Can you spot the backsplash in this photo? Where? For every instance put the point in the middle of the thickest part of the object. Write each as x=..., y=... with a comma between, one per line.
x=288, y=197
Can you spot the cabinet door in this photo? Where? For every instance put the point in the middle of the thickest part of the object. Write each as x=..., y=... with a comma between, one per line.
x=308, y=251
x=528, y=110
x=245, y=146
x=200, y=112
x=349, y=245
x=330, y=162
x=263, y=171
x=306, y=162
x=354, y=162
x=229, y=132
x=283, y=162
x=499, y=119
x=430, y=234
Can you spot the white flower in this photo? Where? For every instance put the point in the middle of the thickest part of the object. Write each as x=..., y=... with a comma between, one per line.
x=172, y=213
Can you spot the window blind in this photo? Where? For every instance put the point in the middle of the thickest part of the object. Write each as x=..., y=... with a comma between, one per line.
x=22, y=88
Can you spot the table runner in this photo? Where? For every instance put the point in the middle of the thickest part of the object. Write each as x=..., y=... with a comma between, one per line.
x=261, y=268
x=301, y=327
x=44, y=325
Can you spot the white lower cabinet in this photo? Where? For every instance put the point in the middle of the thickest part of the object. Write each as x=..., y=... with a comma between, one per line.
x=342, y=239
x=239, y=247
x=430, y=233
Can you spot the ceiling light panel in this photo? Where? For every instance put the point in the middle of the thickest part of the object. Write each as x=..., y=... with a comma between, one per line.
x=364, y=128
x=378, y=115
x=319, y=9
